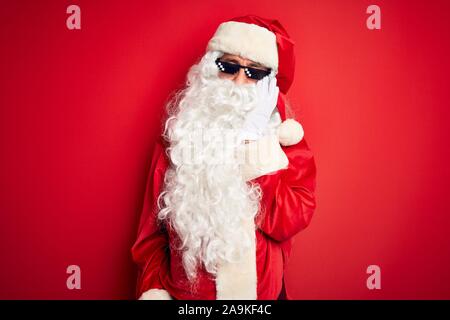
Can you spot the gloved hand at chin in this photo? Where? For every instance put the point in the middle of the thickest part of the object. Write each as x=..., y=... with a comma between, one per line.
x=257, y=119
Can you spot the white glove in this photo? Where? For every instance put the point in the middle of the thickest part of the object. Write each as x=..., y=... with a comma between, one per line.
x=257, y=119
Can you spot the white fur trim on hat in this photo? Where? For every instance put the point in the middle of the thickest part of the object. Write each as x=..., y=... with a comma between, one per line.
x=247, y=40
x=290, y=132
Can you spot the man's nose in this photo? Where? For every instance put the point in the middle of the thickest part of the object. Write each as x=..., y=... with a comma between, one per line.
x=241, y=78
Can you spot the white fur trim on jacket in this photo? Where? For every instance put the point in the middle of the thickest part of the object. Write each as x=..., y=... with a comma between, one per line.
x=247, y=40
x=155, y=294
x=290, y=132
x=238, y=281
x=263, y=156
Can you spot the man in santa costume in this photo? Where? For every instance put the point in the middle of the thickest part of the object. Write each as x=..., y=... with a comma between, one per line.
x=223, y=229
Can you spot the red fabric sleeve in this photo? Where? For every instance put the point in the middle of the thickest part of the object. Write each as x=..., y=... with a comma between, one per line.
x=288, y=200
x=150, y=250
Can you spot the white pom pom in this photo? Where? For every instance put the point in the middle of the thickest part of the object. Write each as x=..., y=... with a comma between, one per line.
x=290, y=132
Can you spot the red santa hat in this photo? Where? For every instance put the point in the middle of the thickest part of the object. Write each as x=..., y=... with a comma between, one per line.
x=267, y=42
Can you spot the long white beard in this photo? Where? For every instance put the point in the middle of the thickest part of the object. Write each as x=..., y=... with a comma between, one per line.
x=205, y=200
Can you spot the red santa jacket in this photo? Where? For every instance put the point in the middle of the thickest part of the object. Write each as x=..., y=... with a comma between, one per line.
x=287, y=206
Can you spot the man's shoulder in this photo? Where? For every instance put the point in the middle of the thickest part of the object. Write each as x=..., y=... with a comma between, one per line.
x=301, y=146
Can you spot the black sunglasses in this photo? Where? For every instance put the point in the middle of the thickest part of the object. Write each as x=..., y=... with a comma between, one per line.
x=232, y=68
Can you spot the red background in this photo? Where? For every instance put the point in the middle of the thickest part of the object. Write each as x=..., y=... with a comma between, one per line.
x=80, y=111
